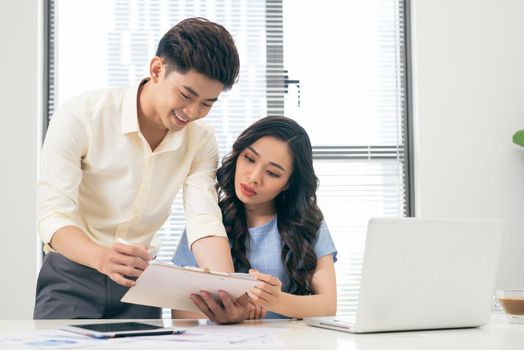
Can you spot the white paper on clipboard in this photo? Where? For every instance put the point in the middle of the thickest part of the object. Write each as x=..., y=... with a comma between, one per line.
x=170, y=286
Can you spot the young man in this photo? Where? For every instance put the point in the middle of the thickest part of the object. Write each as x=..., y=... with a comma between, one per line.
x=112, y=163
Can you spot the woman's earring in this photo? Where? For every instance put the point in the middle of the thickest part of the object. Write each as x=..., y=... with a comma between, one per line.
x=283, y=196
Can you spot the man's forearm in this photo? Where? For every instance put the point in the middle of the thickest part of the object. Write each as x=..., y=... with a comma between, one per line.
x=74, y=244
x=213, y=253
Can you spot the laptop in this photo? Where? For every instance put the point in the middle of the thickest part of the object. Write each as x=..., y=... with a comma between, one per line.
x=424, y=274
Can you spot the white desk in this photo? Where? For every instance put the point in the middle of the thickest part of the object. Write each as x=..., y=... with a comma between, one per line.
x=498, y=334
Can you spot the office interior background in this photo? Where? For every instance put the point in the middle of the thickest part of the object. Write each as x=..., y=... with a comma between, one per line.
x=466, y=86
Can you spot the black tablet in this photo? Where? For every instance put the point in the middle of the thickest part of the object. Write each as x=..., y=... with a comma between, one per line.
x=119, y=329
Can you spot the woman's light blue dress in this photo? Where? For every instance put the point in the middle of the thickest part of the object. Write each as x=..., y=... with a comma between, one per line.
x=264, y=252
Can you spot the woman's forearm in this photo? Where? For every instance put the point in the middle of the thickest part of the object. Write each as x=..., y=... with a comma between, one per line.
x=300, y=306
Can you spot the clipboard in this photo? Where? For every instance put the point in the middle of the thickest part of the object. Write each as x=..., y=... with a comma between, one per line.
x=170, y=286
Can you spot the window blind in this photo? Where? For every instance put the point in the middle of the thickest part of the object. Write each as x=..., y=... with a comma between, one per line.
x=346, y=73
x=354, y=107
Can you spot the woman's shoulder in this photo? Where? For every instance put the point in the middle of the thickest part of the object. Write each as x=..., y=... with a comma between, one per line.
x=324, y=244
x=323, y=226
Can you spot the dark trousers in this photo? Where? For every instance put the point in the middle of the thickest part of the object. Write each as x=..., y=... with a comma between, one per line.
x=67, y=290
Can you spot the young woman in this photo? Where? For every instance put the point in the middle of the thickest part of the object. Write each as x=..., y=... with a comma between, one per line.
x=267, y=193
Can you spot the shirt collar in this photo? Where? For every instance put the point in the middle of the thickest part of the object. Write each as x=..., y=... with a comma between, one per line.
x=129, y=108
x=171, y=141
x=130, y=120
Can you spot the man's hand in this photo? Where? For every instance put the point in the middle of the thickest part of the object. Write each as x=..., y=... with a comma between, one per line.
x=267, y=294
x=229, y=312
x=116, y=262
x=124, y=260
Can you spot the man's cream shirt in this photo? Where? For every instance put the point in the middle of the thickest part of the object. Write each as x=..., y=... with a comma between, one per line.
x=98, y=173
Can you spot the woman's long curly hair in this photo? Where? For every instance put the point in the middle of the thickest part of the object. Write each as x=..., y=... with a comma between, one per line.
x=299, y=216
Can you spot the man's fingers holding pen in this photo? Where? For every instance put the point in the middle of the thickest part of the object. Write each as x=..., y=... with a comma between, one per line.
x=125, y=270
x=123, y=260
x=121, y=274
x=117, y=278
x=132, y=250
x=131, y=261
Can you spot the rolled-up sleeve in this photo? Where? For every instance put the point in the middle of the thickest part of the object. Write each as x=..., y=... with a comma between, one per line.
x=60, y=172
x=203, y=216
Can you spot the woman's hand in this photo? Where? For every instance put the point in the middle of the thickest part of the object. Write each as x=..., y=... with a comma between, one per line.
x=267, y=294
x=255, y=311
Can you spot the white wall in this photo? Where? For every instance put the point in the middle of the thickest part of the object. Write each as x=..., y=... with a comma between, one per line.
x=469, y=100
x=19, y=106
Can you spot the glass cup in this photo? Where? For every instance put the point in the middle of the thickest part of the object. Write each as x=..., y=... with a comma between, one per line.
x=512, y=301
